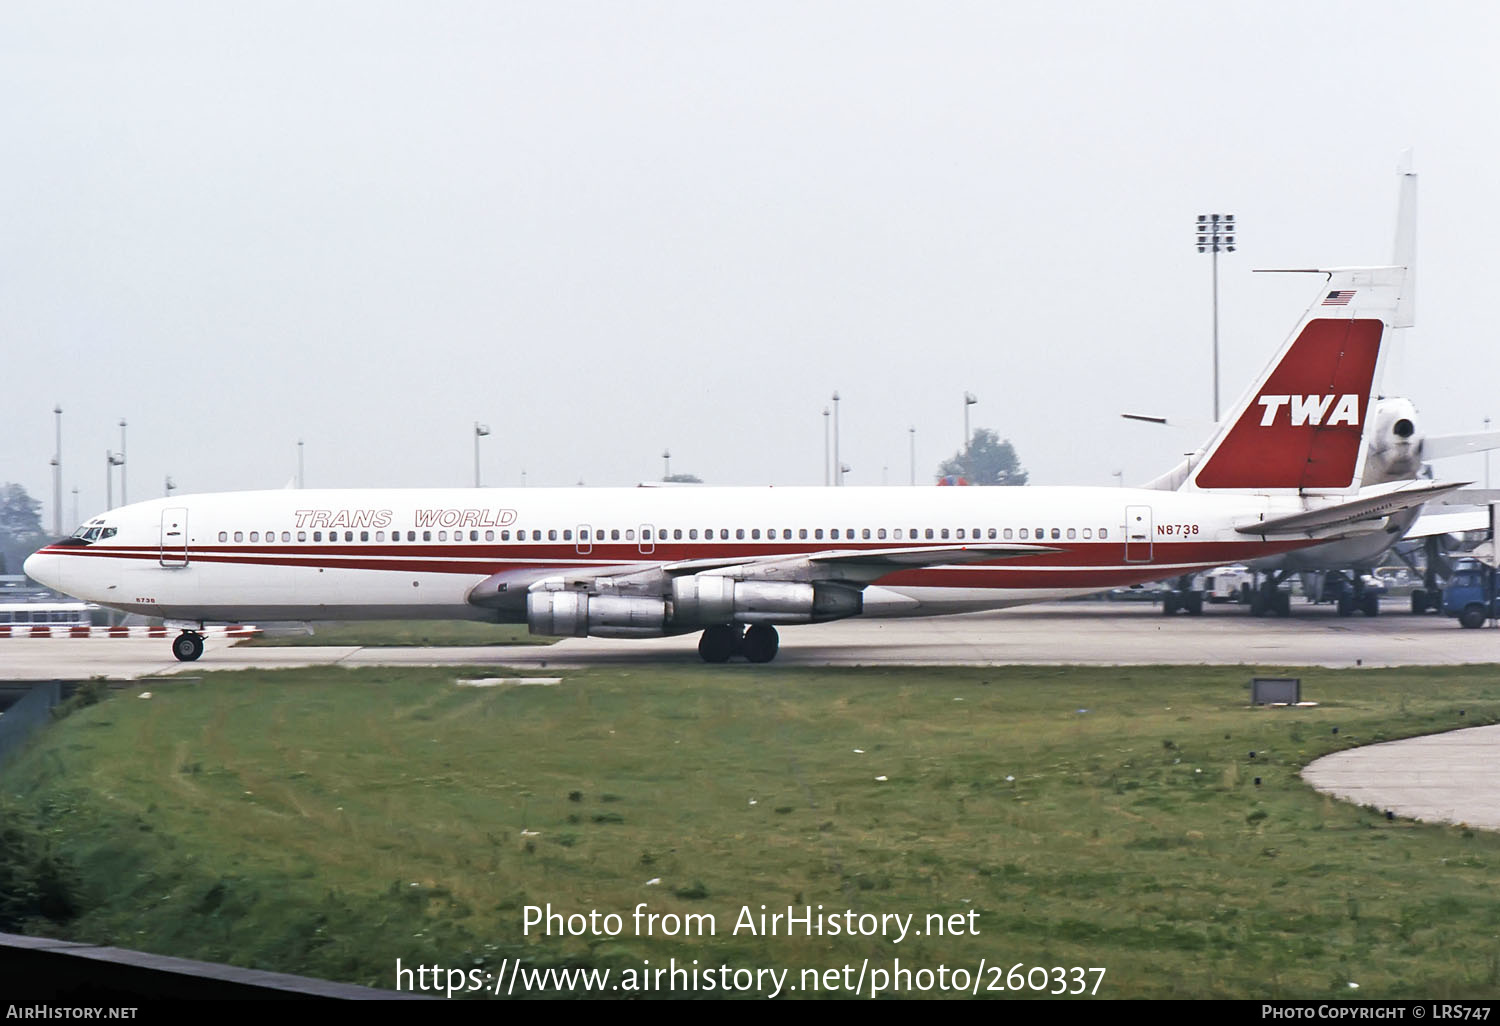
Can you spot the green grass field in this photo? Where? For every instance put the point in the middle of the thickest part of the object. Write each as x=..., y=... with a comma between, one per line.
x=404, y=634
x=329, y=821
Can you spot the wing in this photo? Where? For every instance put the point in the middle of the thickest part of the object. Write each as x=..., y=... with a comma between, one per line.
x=856, y=567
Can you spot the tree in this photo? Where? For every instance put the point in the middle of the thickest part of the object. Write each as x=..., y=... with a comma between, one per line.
x=21, y=531
x=988, y=460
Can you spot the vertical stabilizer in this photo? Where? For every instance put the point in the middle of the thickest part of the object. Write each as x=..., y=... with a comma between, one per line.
x=1302, y=426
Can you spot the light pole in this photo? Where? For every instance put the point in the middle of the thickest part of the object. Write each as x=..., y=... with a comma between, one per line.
x=913, y=432
x=1486, y=458
x=969, y=400
x=827, y=467
x=1216, y=233
x=57, y=477
x=838, y=467
x=123, y=501
x=299, y=469
x=666, y=464
x=75, y=504
x=1119, y=477
x=169, y=484
x=111, y=460
x=480, y=430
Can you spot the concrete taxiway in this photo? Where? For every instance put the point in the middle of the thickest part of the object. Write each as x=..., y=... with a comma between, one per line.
x=1096, y=634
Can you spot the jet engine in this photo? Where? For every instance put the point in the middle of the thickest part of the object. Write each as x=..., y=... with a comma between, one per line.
x=578, y=614
x=705, y=600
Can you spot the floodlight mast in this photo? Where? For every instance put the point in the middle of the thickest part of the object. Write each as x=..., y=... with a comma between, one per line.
x=1215, y=233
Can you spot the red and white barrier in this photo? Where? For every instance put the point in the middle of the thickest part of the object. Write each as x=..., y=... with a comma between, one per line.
x=42, y=630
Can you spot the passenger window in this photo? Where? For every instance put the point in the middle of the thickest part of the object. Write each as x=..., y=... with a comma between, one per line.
x=630, y=534
x=552, y=534
x=898, y=534
x=442, y=536
x=960, y=532
x=1024, y=533
x=677, y=534
x=1041, y=532
x=771, y=533
x=802, y=533
x=723, y=534
x=881, y=534
x=255, y=536
x=427, y=536
x=929, y=534
x=489, y=536
x=536, y=534
x=645, y=534
x=1088, y=532
x=818, y=533
x=865, y=533
x=1072, y=533
x=1056, y=534
x=945, y=534
x=473, y=536
x=223, y=536
x=567, y=535
x=302, y=536
x=364, y=536
x=317, y=536
x=1007, y=534
x=286, y=536
x=834, y=534
x=411, y=535
x=1103, y=533
x=380, y=536
x=992, y=534
x=239, y=536
x=693, y=534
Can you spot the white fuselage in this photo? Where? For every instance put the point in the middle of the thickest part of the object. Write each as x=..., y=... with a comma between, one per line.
x=366, y=554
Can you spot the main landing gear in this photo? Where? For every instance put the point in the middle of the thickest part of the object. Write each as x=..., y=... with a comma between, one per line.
x=187, y=646
x=758, y=644
x=1269, y=598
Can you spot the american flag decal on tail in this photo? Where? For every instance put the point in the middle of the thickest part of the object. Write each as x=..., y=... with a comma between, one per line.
x=1339, y=298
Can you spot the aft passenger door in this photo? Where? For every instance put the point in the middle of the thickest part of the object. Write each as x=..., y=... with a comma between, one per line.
x=174, y=536
x=1137, y=534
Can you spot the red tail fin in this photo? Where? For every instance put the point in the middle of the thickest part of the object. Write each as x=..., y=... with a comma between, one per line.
x=1304, y=425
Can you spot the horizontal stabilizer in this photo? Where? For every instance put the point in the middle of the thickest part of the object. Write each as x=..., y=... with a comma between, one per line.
x=1370, y=504
x=1437, y=447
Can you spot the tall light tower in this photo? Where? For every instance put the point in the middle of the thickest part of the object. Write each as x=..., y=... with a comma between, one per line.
x=111, y=460
x=123, y=501
x=827, y=467
x=666, y=464
x=913, y=432
x=57, y=477
x=1216, y=233
x=480, y=430
x=169, y=485
x=838, y=465
x=969, y=400
x=299, y=469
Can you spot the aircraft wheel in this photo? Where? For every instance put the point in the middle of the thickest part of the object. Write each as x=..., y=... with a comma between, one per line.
x=1193, y=603
x=1257, y=604
x=1472, y=616
x=1370, y=605
x=1346, y=604
x=1419, y=601
x=1282, y=603
x=761, y=643
x=187, y=646
x=719, y=644
x=1169, y=603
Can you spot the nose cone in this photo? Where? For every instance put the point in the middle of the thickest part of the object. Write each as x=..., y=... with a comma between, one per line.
x=45, y=568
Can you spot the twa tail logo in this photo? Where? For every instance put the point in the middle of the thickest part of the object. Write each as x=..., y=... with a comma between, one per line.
x=1309, y=409
x=1303, y=427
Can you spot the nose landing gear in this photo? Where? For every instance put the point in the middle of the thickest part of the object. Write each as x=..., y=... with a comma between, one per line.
x=187, y=646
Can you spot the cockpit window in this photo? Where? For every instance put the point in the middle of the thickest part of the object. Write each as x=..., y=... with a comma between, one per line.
x=94, y=532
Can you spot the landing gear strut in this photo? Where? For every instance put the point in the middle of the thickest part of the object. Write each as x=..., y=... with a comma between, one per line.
x=1184, y=597
x=723, y=642
x=187, y=646
x=1269, y=598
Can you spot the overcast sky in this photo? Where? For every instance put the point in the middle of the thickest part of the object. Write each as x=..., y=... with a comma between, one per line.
x=609, y=229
